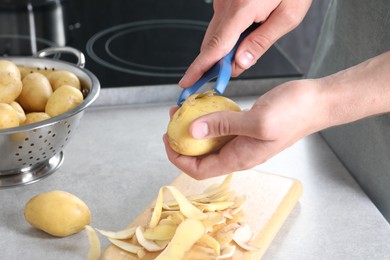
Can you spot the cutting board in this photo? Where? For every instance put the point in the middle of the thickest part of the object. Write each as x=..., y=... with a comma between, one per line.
x=269, y=200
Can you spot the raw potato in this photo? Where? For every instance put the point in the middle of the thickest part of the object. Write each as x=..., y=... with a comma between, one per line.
x=24, y=71
x=35, y=93
x=57, y=213
x=195, y=106
x=19, y=111
x=10, y=69
x=61, y=77
x=34, y=117
x=63, y=99
x=8, y=116
x=10, y=87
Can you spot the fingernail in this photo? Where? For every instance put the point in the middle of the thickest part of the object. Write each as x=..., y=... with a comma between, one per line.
x=200, y=130
x=246, y=59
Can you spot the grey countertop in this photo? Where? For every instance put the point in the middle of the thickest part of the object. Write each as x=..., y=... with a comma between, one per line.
x=116, y=163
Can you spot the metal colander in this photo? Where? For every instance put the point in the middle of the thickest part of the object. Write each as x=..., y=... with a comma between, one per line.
x=30, y=152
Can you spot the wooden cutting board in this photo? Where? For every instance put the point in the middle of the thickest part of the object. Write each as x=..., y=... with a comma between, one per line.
x=269, y=200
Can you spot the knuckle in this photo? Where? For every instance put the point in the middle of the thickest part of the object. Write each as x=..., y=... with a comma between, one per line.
x=260, y=42
x=292, y=18
x=223, y=127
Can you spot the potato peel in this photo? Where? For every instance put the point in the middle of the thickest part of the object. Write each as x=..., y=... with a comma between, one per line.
x=123, y=234
x=94, y=244
x=204, y=226
x=129, y=247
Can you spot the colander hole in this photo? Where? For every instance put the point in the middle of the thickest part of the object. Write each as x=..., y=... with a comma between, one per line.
x=40, y=136
x=43, y=153
x=17, y=154
x=69, y=126
x=45, y=141
x=20, y=147
x=31, y=157
x=32, y=144
x=69, y=132
x=49, y=132
x=38, y=159
x=26, y=139
x=44, y=157
x=48, y=144
x=35, y=130
x=19, y=160
x=29, y=152
x=51, y=148
x=53, y=135
x=66, y=139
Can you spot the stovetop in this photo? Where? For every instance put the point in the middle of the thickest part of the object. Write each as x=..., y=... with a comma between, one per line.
x=141, y=42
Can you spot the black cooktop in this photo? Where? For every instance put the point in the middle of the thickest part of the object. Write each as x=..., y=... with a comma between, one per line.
x=140, y=42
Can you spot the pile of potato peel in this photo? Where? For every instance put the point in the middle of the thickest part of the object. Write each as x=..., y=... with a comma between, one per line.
x=209, y=225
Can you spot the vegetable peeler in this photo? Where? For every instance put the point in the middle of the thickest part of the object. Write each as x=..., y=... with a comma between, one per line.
x=222, y=70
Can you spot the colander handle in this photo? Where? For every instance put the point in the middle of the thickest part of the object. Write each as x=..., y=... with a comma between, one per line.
x=67, y=50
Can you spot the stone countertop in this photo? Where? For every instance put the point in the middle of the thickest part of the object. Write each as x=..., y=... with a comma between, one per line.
x=116, y=163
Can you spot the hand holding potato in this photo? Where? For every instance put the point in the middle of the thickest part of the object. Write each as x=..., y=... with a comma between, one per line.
x=195, y=106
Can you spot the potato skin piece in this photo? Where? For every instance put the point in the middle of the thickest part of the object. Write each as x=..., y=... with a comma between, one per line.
x=181, y=141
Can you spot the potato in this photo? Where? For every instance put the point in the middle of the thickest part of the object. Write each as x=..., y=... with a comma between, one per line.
x=8, y=116
x=61, y=77
x=63, y=99
x=57, y=213
x=10, y=69
x=10, y=87
x=195, y=106
x=34, y=117
x=24, y=71
x=19, y=111
x=35, y=92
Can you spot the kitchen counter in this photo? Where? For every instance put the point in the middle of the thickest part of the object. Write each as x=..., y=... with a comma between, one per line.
x=116, y=163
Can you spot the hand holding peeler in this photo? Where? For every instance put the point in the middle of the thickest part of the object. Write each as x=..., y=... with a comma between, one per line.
x=222, y=70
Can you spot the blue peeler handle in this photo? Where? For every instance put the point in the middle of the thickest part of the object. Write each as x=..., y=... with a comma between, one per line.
x=222, y=69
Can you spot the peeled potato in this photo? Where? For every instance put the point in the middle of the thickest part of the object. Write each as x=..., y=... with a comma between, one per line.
x=57, y=213
x=63, y=99
x=10, y=69
x=34, y=117
x=19, y=111
x=8, y=116
x=195, y=106
x=61, y=77
x=35, y=93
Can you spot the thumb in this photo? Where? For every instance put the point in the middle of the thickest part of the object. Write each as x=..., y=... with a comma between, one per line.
x=218, y=124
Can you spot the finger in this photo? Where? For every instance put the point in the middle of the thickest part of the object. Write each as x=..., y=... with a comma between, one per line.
x=224, y=123
x=241, y=153
x=281, y=21
x=219, y=40
x=172, y=111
